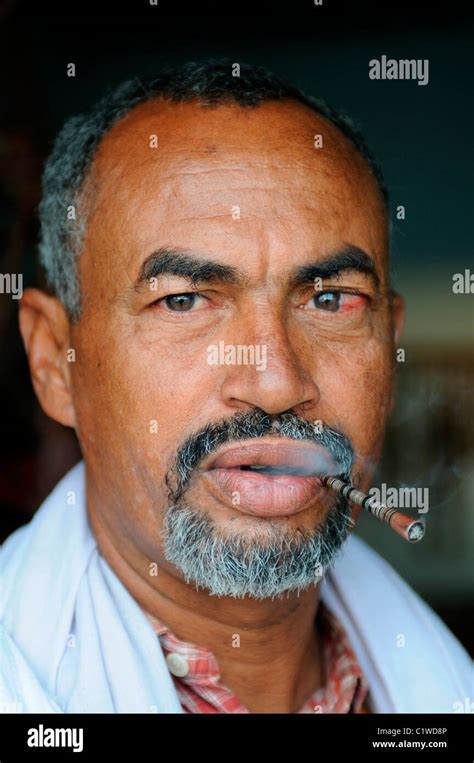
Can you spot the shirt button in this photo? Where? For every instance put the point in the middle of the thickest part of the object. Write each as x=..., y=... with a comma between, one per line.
x=177, y=665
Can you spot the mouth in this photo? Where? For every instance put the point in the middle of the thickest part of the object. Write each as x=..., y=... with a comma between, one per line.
x=284, y=469
x=268, y=479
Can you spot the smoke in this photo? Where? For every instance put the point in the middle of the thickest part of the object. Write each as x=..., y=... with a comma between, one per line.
x=254, y=424
x=272, y=559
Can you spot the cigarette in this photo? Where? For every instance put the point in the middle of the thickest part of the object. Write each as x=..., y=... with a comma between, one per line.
x=411, y=529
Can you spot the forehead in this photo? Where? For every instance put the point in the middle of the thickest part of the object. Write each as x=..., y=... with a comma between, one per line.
x=191, y=171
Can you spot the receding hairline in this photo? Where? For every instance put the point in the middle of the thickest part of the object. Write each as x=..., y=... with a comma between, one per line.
x=68, y=175
x=158, y=106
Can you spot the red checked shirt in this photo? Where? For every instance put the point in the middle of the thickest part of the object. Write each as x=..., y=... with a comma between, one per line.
x=196, y=674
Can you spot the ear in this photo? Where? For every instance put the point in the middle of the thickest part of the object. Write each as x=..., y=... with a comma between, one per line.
x=45, y=329
x=398, y=316
x=398, y=319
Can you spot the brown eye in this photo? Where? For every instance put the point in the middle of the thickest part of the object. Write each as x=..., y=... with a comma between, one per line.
x=330, y=301
x=180, y=303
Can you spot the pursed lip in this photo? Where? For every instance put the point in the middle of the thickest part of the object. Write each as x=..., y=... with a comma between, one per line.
x=292, y=489
x=306, y=458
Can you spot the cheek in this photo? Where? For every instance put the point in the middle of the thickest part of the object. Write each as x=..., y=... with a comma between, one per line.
x=356, y=390
x=372, y=406
x=138, y=398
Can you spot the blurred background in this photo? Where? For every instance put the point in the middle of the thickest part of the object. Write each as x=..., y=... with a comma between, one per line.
x=423, y=138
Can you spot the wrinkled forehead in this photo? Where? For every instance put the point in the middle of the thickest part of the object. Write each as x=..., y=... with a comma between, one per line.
x=275, y=164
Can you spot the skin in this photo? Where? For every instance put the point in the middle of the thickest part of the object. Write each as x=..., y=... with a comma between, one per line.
x=136, y=362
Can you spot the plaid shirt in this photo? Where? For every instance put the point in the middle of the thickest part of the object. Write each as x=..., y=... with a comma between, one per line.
x=196, y=674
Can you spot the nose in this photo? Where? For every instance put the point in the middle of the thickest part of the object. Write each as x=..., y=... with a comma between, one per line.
x=285, y=378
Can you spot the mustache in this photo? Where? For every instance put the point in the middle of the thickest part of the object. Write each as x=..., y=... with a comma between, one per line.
x=254, y=424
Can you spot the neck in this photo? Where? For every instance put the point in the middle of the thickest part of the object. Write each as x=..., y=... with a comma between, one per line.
x=269, y=651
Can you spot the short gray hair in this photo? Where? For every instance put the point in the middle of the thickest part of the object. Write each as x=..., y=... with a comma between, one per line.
x=67, y=169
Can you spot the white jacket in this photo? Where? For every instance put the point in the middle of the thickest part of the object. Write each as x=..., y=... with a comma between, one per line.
x=72, y=639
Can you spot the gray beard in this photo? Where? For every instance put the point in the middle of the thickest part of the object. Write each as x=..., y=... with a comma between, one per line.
x=284, y=560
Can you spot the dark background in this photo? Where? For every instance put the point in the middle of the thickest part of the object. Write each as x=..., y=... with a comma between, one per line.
x=423, y=137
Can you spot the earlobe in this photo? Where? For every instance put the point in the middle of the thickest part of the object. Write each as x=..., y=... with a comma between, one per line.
x=398, y=313
x=398, y=316
x=44, y=327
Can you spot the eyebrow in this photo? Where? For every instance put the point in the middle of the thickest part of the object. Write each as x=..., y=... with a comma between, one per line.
x=191, y=266
x=349, y=258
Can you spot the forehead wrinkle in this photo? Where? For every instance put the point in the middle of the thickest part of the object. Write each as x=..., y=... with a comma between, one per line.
x=141, y=190
x=244, y=157
x=290, y=127
x=119, y=173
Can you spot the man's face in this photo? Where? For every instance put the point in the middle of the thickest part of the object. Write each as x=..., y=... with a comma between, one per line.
x=246, y=189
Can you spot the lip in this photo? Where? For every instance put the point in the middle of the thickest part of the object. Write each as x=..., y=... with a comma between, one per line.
x=285, y=452
x=267, y=495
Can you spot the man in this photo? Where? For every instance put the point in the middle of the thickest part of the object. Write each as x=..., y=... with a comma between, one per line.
x=222, y=331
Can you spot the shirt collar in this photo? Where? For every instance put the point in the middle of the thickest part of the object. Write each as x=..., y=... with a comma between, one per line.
x=345, y=686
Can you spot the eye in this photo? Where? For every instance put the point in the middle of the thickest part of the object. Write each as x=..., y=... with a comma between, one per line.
x=329, y=301
x=336, y=301
x=180, y=303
